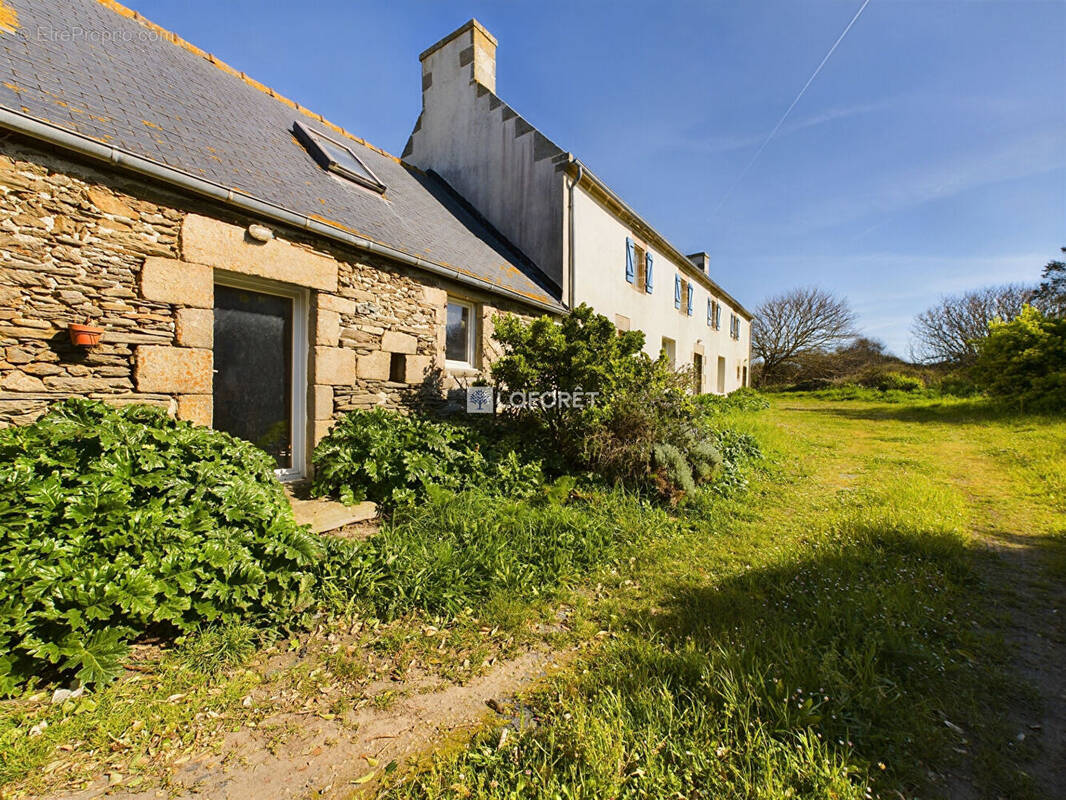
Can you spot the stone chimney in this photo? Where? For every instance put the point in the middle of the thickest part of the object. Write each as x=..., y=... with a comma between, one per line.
x=701, y=260
x=464, y=57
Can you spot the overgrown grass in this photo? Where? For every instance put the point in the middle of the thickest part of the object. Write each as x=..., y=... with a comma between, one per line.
x=831, y=635
x=447, y=586
x=458, y=551
x=844, y=570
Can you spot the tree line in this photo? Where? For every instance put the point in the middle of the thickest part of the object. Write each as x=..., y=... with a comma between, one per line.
x=808, y=337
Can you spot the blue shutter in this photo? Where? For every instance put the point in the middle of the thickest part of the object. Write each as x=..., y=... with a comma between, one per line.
x=647, y=273
x=677, y=291
x=690, y=293
x=710, y=312
x=718, y=316
x=631, y=273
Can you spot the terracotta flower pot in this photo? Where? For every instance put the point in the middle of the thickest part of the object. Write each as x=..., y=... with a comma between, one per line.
x=84, y=335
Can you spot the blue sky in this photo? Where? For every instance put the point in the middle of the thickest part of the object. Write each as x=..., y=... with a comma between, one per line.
x=929, y=156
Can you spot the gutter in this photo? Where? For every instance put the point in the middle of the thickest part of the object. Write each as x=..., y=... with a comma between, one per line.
x=678, y=256
x=570, y=244
x=86, y=146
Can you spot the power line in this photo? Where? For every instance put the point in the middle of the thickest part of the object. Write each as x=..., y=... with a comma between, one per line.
x=788, y=111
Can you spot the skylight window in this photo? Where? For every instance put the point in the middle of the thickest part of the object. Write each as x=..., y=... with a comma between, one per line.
x=335, y=156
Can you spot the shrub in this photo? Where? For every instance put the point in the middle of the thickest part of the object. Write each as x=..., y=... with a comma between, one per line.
x=584, y=352
x=643, y=430
x=393, y=458
x=672, y=468
x=957, y=384
x=889, y=380
x=743, y=399
x=117, y=521
x=1024, y=360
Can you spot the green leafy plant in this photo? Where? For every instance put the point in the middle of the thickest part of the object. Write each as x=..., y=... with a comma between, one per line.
x=393, y=459
x=736, y=450
x=644, y=429
x=117, y=521
x=890, y=380
x=1024, y=360
x=743, y=399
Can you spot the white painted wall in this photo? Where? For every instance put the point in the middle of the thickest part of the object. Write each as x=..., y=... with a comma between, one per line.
x=504, y=168
x=515, y=178
x=600, y=281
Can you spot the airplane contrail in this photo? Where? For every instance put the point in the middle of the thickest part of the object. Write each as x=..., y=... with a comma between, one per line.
x=788, y=111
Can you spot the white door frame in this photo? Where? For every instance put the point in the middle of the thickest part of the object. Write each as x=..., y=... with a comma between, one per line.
x=298, y=423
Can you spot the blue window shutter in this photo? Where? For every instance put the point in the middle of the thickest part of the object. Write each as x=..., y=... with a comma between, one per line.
x=718, y=316
x=631, y=272
x=690, y=299
x=677, y=291
x=710, y=312
x=647, y=273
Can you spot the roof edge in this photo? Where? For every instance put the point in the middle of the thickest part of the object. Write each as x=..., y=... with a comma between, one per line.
x=49, y=133
x=634, y=219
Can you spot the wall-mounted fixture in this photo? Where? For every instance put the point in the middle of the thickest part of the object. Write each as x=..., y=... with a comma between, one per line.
x=84, y=335
x=260, y=233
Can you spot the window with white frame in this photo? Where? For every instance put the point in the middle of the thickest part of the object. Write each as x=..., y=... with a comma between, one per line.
x=459, y=341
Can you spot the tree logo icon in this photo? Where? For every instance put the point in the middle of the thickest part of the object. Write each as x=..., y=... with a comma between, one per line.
x=479, y=400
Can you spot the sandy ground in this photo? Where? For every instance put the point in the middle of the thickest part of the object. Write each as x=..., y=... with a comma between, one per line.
x=325, y=759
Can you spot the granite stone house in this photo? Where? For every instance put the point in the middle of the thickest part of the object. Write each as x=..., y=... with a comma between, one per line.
x=593, y=247
x=251, y=266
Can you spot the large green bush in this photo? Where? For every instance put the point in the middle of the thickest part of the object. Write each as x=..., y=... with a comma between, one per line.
x=644, y=429
x=393, y=458
x=117, y=521
x=1024, y=360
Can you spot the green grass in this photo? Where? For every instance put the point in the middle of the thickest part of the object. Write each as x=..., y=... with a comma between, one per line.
x=479, y=572
x=810, y=635
x=834, y=633
x=458, y=551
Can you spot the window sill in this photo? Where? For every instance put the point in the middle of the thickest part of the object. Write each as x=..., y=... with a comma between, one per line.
x=461, y=369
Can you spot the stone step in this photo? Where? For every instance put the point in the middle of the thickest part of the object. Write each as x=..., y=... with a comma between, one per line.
x=325, y=515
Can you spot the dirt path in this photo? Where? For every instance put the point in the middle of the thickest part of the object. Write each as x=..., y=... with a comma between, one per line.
x=1035, y=605
x=324, y=759
x=1011, y=526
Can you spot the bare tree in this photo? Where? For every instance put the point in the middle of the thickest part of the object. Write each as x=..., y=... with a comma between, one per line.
x=796, y=324
x=947, y=332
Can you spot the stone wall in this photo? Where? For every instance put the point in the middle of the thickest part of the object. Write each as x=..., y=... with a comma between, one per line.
x=82, y=244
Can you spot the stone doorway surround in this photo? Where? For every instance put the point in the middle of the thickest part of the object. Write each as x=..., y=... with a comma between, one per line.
x=211, y=250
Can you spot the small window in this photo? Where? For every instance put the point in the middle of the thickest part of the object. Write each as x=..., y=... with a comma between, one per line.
x=640, y=269
x=459, y=334
x=334, y=155
x=684, y=296
x=669, y=349
x=397, y=367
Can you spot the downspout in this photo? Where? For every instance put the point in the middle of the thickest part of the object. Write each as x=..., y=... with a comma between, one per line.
x=572, y=272
x=75, y=142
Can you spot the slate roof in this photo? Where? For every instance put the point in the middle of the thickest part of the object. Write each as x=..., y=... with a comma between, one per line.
x=129, y=84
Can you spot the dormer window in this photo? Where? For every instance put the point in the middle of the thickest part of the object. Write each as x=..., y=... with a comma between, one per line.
x=335, y=156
